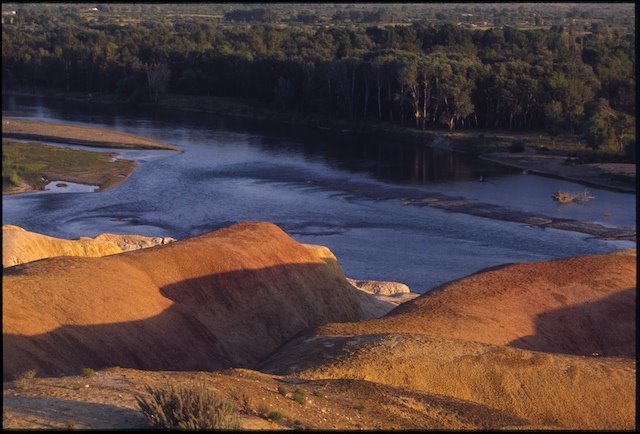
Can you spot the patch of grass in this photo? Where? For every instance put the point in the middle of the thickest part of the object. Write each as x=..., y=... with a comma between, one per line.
x=276, y=416
x=263, y=410
x=31, y=162
x=185, y=407
x=319, y=393
x=27, y=375
x=245, y=404
x=87, y=372
x=359, y=407
x=282, y=391
x=20, y=382
x=300, y=396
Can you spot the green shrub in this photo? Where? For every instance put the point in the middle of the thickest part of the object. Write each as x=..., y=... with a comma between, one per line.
x=263, y=409
x=27, y=375
x=20, y=381
x=181, y=407
x=319, y=393
x=282, y=391
x=87, y=372
x=299, y=396
x=359, y=407
x=275, y=416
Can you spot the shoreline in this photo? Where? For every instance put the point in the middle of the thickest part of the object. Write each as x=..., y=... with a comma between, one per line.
x=494, y=149
x=81, y=167
x=497, y=212
x=58, y=132
x=583, y=174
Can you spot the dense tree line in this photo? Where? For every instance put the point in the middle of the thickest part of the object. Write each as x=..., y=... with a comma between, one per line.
x=562, y=79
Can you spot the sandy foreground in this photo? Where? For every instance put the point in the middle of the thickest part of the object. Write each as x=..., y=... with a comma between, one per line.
x=77, y=135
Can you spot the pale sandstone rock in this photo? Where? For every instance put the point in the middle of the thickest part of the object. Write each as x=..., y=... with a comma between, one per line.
x=377, y=298
x=380, y=287
x=20, y=246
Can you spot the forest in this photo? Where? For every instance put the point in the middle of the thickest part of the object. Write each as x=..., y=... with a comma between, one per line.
x=574, y=74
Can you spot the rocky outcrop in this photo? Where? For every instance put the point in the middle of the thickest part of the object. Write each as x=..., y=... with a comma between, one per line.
x=133, y=242
x=20, y=246
x=227, y=298
x=380, y=287
x=377, y=298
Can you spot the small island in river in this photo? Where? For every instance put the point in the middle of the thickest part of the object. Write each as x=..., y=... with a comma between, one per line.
x=31, y=166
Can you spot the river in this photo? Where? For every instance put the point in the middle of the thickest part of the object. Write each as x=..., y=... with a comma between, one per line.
x=348, y=193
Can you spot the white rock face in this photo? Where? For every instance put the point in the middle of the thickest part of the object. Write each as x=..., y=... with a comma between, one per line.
x=380, y=287
x=377, y=298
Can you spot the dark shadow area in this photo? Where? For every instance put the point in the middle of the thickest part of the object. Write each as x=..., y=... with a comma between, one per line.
x=606, y=327
x=82, y=414
x=223, y=320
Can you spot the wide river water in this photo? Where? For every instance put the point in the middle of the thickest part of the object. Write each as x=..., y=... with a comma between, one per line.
x=346, y=193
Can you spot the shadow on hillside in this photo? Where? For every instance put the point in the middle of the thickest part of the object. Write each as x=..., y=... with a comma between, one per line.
x=606, y=327
x=231, y=319
x=56, y=411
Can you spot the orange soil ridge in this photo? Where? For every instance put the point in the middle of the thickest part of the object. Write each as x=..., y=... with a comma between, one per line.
x=506, y=338
x=226, y=298
x=554, y=306
x=77, y=135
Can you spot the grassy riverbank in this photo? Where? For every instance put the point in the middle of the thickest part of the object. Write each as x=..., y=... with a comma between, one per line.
x=29, y=167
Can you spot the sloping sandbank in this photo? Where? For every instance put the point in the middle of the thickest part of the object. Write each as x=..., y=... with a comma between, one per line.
x=77, y=135
x=558, y=306
x=28, y=167
x=20, y=246
x=550, y=342
x=227, y=298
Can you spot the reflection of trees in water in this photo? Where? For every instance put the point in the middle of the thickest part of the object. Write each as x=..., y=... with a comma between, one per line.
x=381, y=158
x=387, y=160
x=405, y=163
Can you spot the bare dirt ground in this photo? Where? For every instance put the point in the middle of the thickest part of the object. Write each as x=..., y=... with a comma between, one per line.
x=78, y=135
x=106, y=400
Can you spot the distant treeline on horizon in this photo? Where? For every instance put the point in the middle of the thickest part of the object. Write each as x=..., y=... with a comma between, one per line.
x=347, y=62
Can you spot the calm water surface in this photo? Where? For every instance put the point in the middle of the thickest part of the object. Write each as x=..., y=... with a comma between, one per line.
x=344, y=193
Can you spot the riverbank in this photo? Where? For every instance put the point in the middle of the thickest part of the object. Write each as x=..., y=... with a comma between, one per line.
x=613, y=176
x=77, y=135
x=542, y=154
x=29, y=167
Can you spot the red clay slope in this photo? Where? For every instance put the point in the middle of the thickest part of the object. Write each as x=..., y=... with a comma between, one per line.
x=582, y=305
x=226, y=298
